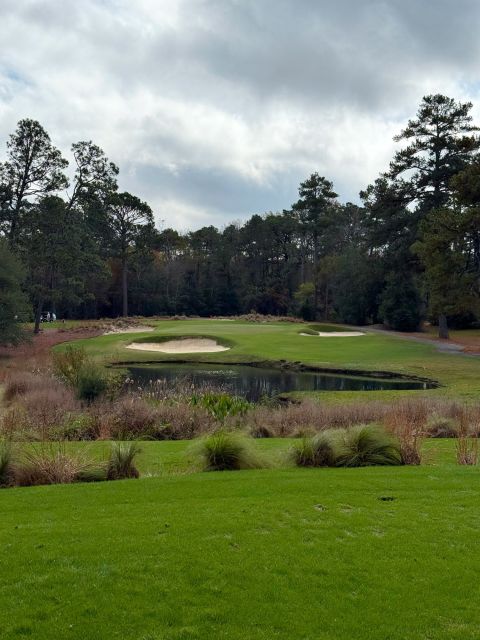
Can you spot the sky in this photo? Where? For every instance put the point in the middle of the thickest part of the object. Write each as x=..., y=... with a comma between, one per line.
x=215, y=110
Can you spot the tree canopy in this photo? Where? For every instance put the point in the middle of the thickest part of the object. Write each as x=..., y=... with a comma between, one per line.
x=409, y=251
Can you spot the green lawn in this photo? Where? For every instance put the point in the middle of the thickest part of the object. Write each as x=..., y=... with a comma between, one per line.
x=460, y=375
x=279, y=553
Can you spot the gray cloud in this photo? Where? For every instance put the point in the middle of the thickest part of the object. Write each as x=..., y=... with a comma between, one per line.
x=216, y=109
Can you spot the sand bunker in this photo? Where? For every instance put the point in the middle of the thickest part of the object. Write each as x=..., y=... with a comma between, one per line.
x=136, y=329
x=188, y=345
x=334, y=334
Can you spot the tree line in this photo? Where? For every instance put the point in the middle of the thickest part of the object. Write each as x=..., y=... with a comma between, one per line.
x=410, y=251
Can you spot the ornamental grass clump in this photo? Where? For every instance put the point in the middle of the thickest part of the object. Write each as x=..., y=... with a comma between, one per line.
x=367, y=445
x=51, y=464
x=315, y=451
x=121, y=463
x=226, y=451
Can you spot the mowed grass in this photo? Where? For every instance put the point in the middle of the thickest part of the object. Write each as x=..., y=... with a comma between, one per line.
x=283, y=553
x=459, y=375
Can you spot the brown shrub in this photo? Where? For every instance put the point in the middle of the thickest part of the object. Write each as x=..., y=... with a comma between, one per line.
x=131, y=418
x=20, y=383
x=183, y=421
x=441, y=427
x=407, y=420
x=308, y=416
x=38, y=411
x=46, y=409
x=467, y=440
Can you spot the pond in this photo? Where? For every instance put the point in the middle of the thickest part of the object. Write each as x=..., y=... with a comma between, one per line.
x=253, y=383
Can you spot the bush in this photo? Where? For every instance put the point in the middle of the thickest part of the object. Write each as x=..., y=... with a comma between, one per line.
x=121, y=462
x=133, y=418
x=75, y=427
x=225, y=450
x=406, y=421
x=69, y=364
x=91, y=383
x=39, y=412
x=75, y=368
x=182, y=421
x=467, y=440
x=299, y=419
x=316, y=451
x=367, y=445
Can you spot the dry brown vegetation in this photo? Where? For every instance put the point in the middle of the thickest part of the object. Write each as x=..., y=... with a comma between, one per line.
x=42, y=408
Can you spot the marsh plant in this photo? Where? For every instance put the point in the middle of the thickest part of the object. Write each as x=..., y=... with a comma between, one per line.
x=221, y=405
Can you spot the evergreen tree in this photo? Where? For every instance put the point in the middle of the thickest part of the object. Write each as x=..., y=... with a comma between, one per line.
x=442, y=142
x=131, y=224
x=13, y=304
x=33, y=169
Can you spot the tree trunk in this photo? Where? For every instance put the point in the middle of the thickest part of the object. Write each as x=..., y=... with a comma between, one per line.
x=38, y=315
x=443, y=327
x=124, y=288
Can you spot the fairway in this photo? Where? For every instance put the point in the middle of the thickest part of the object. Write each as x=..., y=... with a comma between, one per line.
x=279, y=553
x=273, y=342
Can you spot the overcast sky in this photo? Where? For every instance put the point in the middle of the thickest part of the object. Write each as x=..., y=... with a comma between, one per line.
x=217, y=109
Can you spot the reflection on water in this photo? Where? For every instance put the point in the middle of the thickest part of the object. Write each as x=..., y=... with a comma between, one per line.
x=253, y=383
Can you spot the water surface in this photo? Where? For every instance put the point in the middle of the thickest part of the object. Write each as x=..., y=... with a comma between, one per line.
x=253, y=383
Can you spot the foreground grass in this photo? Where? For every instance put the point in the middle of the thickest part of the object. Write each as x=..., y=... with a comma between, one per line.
x=284, y=553
x=255, y=342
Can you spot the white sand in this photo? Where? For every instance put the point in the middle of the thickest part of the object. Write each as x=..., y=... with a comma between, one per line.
x=334, y=334
x=135, y=329
x=188, y=345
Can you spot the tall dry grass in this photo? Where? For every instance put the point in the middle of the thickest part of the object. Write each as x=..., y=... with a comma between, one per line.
x=407, y=421
x=41, y=407
x=466, y=444
x=308, y=416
